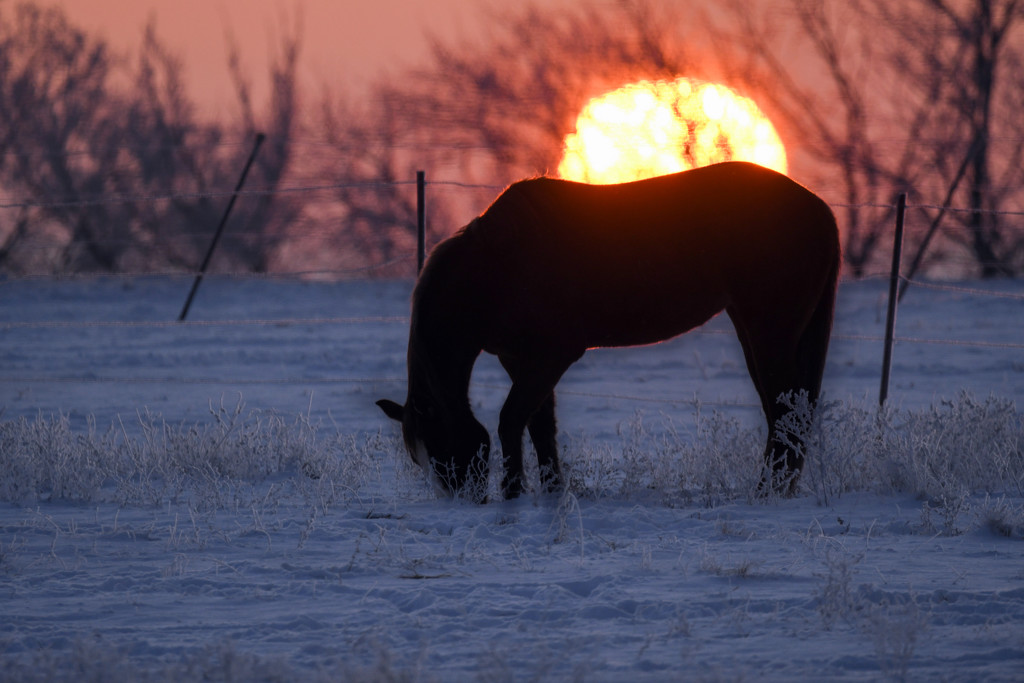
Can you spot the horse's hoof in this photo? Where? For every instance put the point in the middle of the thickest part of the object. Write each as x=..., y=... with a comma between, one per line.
x=512, y=488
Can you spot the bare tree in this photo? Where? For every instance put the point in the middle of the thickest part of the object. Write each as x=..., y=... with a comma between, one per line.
x=266, y=216
x=116, y=178
x=513, y=97
x=968, y=45
x=872, y=97
x=488, y=112
x=813, y=69
x=371, y=172
x=54, y=104
x=892, y=97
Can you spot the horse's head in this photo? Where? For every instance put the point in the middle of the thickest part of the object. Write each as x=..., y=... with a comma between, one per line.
x=452, y=448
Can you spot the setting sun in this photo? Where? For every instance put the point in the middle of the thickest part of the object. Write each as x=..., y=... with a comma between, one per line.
x=652, y=128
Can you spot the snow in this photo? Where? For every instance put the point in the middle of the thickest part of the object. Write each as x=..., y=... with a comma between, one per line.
x=289, y=538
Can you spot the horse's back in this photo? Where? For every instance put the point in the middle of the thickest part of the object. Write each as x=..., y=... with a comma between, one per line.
x=643, y=261
x=714, y=204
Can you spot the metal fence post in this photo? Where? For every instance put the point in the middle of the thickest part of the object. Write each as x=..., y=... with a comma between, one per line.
x=421, y=220
x=894, y=281
x=260, y=137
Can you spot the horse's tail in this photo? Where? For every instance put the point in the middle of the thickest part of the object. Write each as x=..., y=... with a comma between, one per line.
x=813, y=345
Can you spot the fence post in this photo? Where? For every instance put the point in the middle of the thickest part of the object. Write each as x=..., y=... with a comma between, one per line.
x=919, y=257
x=894, y=281
x=220, y=227
x=421, y=220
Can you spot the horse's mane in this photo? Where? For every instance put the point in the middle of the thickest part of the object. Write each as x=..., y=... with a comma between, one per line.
x=437, y=287
x=447, y=270
x=525, y=205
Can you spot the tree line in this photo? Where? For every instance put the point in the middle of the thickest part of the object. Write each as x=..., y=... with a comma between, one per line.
x=872, y=98
x=85, y=131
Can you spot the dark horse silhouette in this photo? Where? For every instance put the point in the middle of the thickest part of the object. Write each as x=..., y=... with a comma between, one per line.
x=553, y=268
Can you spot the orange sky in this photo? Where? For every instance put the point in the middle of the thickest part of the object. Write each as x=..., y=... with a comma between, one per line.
x=346, y=42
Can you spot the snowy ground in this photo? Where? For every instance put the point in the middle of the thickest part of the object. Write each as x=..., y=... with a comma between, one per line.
x=151, y=528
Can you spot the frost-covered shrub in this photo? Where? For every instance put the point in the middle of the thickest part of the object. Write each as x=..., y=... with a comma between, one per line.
x=230, y=462
x=944, y=454
x=717, y=459
x=1002, y=518
x=947, y=454
x=966, y=445
x=836, y=598
x=590, y=469
x=44, y=458
x=727, y=460
x=893, y=623
x=842, y=444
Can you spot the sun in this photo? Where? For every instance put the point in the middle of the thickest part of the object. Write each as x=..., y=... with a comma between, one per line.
x=652, y=128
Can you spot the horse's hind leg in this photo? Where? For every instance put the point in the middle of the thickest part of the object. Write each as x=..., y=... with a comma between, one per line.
x=808, y=363
x=783, y=358
x=773, y=374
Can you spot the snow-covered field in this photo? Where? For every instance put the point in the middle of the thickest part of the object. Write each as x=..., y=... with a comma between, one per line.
x=221, y=500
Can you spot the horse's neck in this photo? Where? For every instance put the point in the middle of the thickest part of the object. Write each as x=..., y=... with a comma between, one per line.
x=442, y=340
x=441, y=367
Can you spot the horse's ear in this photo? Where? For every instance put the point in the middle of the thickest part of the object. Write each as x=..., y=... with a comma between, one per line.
x=392, y=409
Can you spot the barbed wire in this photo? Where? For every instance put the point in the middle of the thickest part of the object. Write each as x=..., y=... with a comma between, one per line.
x=185, y=324
x=285, y=381
x=372, y=141
x=956, y=209
x=932, y=207
x=466, y=186
x=964, y=290
x=124, y=147
x=103, y=199
x=92, y=379
x=376, y=143
x=691, y=401
x=98, y=200
x=957, y=342
x=128, y=198
x=363, y=320
x=198, y=381
x=864, y=205
x=332, y=273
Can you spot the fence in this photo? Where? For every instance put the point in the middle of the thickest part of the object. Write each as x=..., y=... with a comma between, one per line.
x=309, y=190
x=115, y=331
x=108, y=364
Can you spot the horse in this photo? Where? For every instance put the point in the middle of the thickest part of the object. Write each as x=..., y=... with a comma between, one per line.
x=553, y=268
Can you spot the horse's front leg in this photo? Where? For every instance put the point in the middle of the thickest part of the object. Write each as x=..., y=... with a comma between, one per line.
x=515, y=415
x=543, y=431
x=531, y=401
x=532, y=389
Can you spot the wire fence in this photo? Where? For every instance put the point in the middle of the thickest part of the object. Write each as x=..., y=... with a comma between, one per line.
x=114, y=330
x=307, y=233
x=404, y=320
x=132, y=326
x=79, y=200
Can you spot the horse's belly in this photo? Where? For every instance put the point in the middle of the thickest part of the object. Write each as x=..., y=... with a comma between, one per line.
x=644, y=322
x=595, y=302
x=641, y=332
